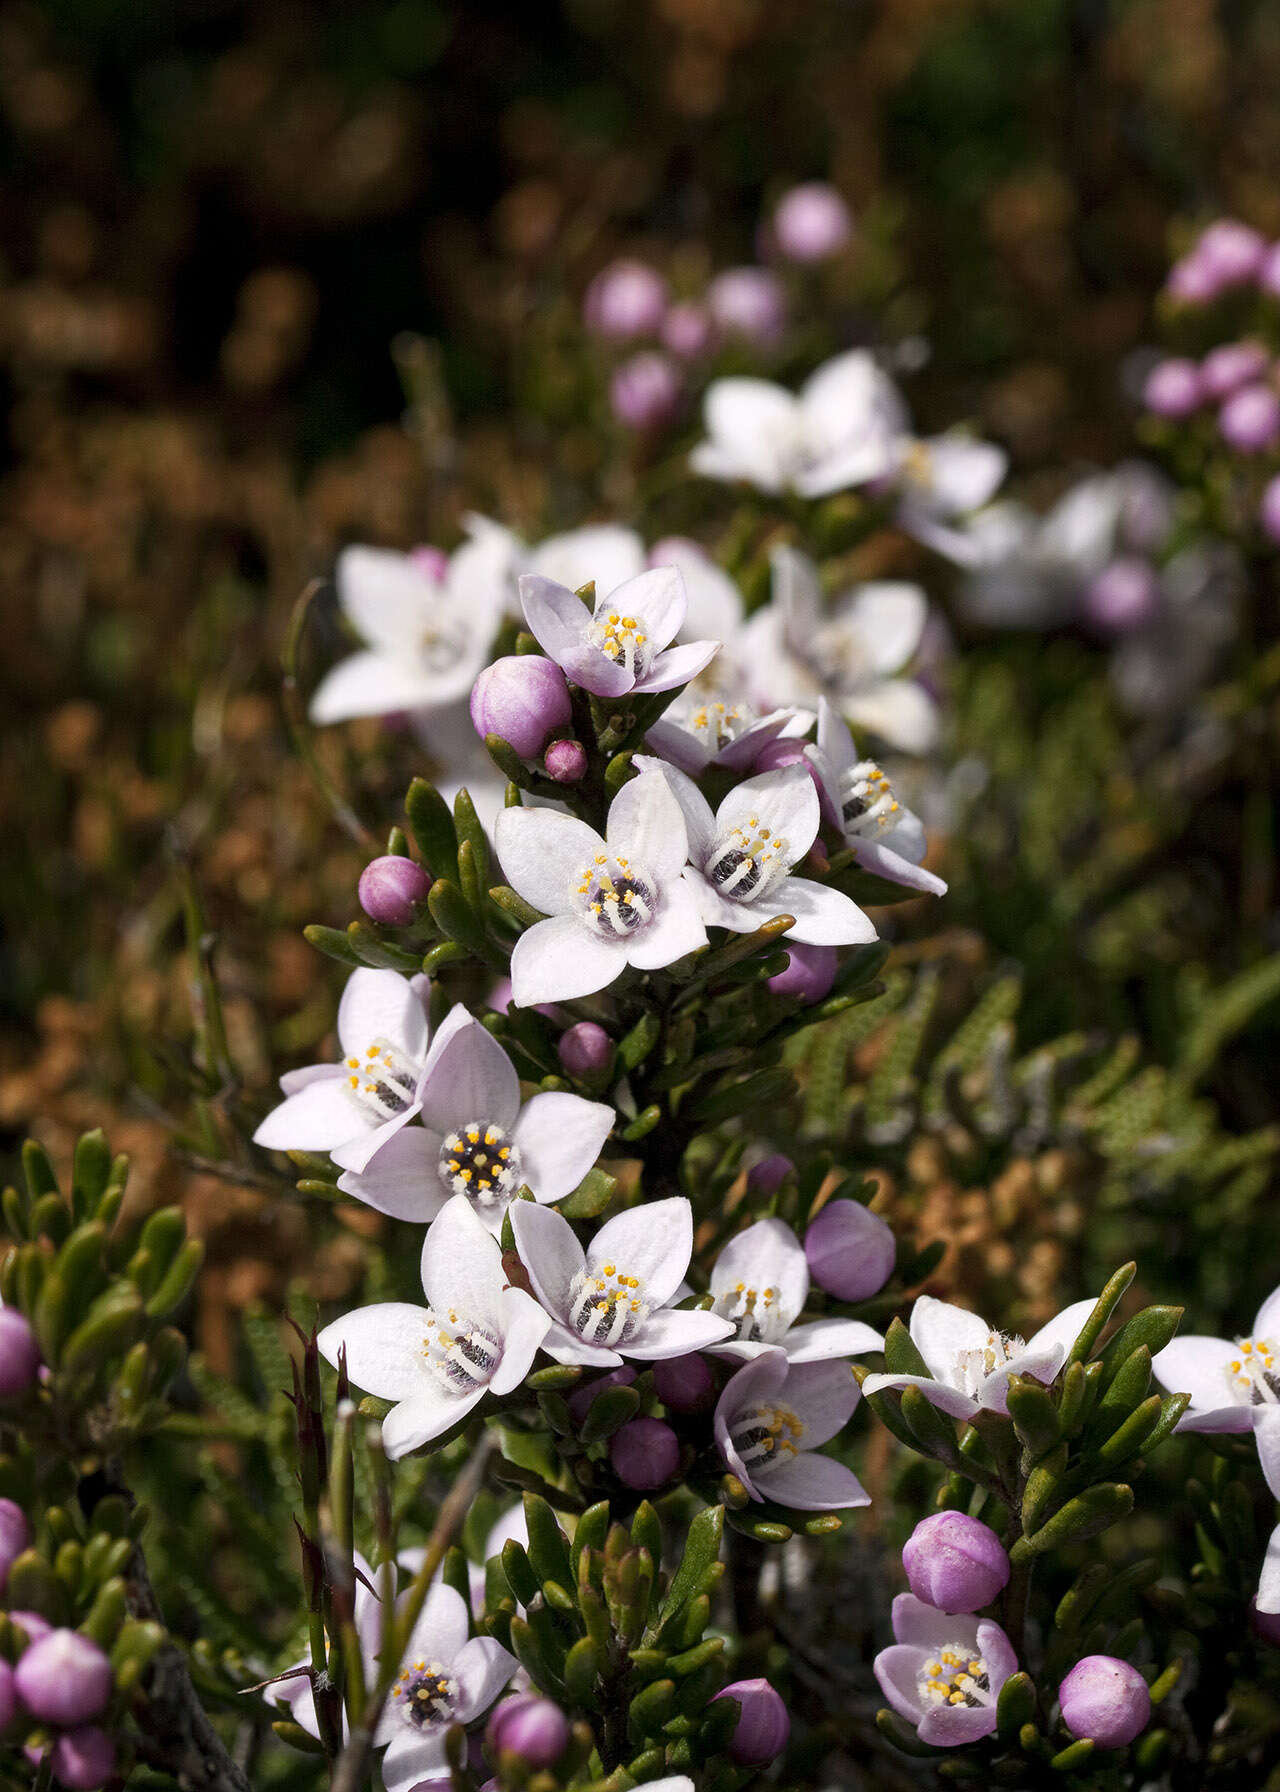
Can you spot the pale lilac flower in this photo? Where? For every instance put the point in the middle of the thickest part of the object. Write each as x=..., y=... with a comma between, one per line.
x=622, y=645
x=700, y=731
x=797, y=648
x=1233, y=364
x=615, y=1299
x=969, y=1365
x=612, y=903
x=944, y=1674
x=475, y=1336
x=841, y=430
x=882, y=833
x=476, y=1139
x=770, y=1421
x=942, y=480
x=358, y=1104
x=427, y=636
x=741, y=856
x=760, y=1284
x=1173, y=388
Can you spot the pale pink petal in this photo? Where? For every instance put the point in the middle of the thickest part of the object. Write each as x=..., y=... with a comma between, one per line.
x=413, y=1757
x=402, y=1179
x=1269, y=1579
x=825, y=1338
x=472, y=1079
x=676, y=1332
x=926, y=1627
x=483, y=1667
x=542, y=854
x=784, y=801
x=377, y=684
x=462, y=1267
x=765, y=1255
x=954, y=1726
x=1063, y=1329
x=897, y=1669
x=358, y=1153
x=524, y=1325
x=657, y=600
x=940, y=1331
x=559, y=622
x=653, y=1241
x=937, y=1393
x=1267, y=1324
x=676, y=931
x=823, y=916
x=603, y=553
x=899, y=710
x=823, y=1396
x=1266, y=1430
x=559, y=1137
x=415, y=1422
x=381, y=1005
x=754, y=428
x=884, y=862
x=678, y=665
x=317, y=1117
x=699, y=820
x=646, y=826
x=809, y=1483
x=549, y=1250
x=561, y=959
x=384, y=1349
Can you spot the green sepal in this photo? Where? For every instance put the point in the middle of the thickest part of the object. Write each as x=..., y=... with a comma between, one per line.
x=447, y=952
x=1015, y=1706
x=1035, y=1416
x=1096, y=1323
x=432, y=827
x=505, y=757
x=377, y=953
x=553, y=1378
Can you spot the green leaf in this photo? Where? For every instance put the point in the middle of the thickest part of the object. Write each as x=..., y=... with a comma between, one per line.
x=455, y=917
x=591, y=1197
x=934, y=1432
x=1034, y=1415
x=701, y=1551
x=634, y=1047
x=333, y=943
x=608, y=1412
x=766, y=1090
x=548, y=1548
x=1096, y=1323
x=1088, y=1514
x=432, y=827
x=901, y=1357
x=1154, y=1327
x=1015, y=1706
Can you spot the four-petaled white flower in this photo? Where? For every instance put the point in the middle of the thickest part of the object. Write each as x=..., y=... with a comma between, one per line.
x=942, y=481
x=428, y=628
x=760, y=1283
x=969, y=1364
x=476, y=1139
x=710, y=728
x=624, y=643
x=882, y=833
x=477, y=1335
x=944, y=1674
x=796, y=648
x=613, y=1300
x=841, y=430
x=1234, y=1384
x=359, y=1104
x=612, y=903
x=741, y=857
x=772, y=1417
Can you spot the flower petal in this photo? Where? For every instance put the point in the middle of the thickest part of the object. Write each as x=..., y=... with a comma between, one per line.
x=604, y=552
x=998, y=1653
x=678, y=665
x=358, y=1153
x=384, y=1346
x=388, y=598
x=939, y=1331
x=824, y=1338
x=524, y=1326
x=875, y=856
x=1267, y=1324
x=928, y=1628
x=938, y=1393
x=550, y=1252
x=675, y=1331
x=442, y=1628
x=811, y=1483
x=823, y=916
x=656, y=598
x=376, y=684
x=899, y=710
x=414, y=1757
x=954, y=1726
x=897, y=1669
x=402, y=1178
x=542, y=852
x=646, y=825
x=559, y=622
x=754, y=428
x=415, y=1422
x=1269, y=1579
x=887, y=618
x=560, y=959
x=674, y=932
x=483, y=1667
x=1063, y=1329
x=317, y=1117
x=797, y=596
x=462, y=1266
x=559, y=1137
x=382, y=1005
x=714, y=603
x=472, y=1079
x=1266, y=1431
x=823, y=1396
x=653, y=1241
x=784, y=801
x=699, y=820
x=765, y=1255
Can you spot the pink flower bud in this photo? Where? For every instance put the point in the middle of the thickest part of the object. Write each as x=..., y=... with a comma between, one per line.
x=954, y=1562
x=1232, y=251
x=1105, y=1700
x=748, y=302
x=83, y=1759
x=64, y=1679
x=1231, y=365
x=850, y=1250
x=768, y=1176
x=531, y=1727
x=685, y=1383
x=1173, y=388
x=1249, y=420
x=644, y=392
x=1269, y=509
x=32, y=1624
x=645, y=1453
x=585, y=1049
x=15, y=1536
x=583, y=1398
x=626, y=299
x=687, y=330
x=391, y=890
x=1192, y=281
x=19, y=1353
x=1269, y=272
x=566, y=761
x=811, y=222
x=763, y=1724
x=522, y=697
x=1123, y=595
x=810, y=972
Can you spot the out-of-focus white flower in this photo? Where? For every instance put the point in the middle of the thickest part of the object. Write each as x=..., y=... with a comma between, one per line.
x=881, y=832
x=942, y=481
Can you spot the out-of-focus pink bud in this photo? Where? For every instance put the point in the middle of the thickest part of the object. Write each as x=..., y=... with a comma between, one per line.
x=811, y=222
x=1173, y=388
x=748, y=302
x=687, y=330
x=645, y=391
x=645, y=1453
x=585, y=1049
x=1249, y=420
x=626, y=299
x=19, y=1353
x=64, y=1679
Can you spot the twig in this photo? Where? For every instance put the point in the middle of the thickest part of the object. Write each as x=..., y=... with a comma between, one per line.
x=296, y=720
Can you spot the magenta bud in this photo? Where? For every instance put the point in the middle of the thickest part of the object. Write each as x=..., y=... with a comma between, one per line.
x=687, y=330
x=582, y=1398
x=811, y=222
x=763, y=1725
x=1192, y=281
x=768, y=1176
x=433, y=563
x=645, y=1453
x=1265, y=1624
x=19, y=1353
x=32, y=1624
x=1269, y=271
x=810, y=972
x=955, y=1562
x=566, y=761
x=1269, y=509
x=64, y=1679
x=585, y=1049
x=522, y=697
x=391, y=890
x=1173, y=388
x=15, y=1536
x=626, y=299
x=1232, y=365
x=644, y=392
x=531, y=1727
x=8, y=1695
x=748, y=302
x=1105, y=1701
x=83, y=1759
x=1249, y=420
x=1231, y=251
x=685, y=1383
x=850, y=1250
x=1123, y=595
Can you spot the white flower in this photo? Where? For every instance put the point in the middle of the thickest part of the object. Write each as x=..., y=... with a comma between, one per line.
x=944, y=1674
x=476, y=1335
x=841, y=430
x=770, y=1419
x=708, y=729
x=741, y=856
x=796, y=648
x=760, y=1283
x=612, y=903
x=881, y=832
x=614, y=1299
x=357, y=1105
x=476, y=1139
x=623, y=644
x=428, y=635
x=941, y=480
x=969, y=1364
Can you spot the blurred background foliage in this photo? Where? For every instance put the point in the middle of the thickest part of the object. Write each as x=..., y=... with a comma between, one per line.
x=275, y=277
